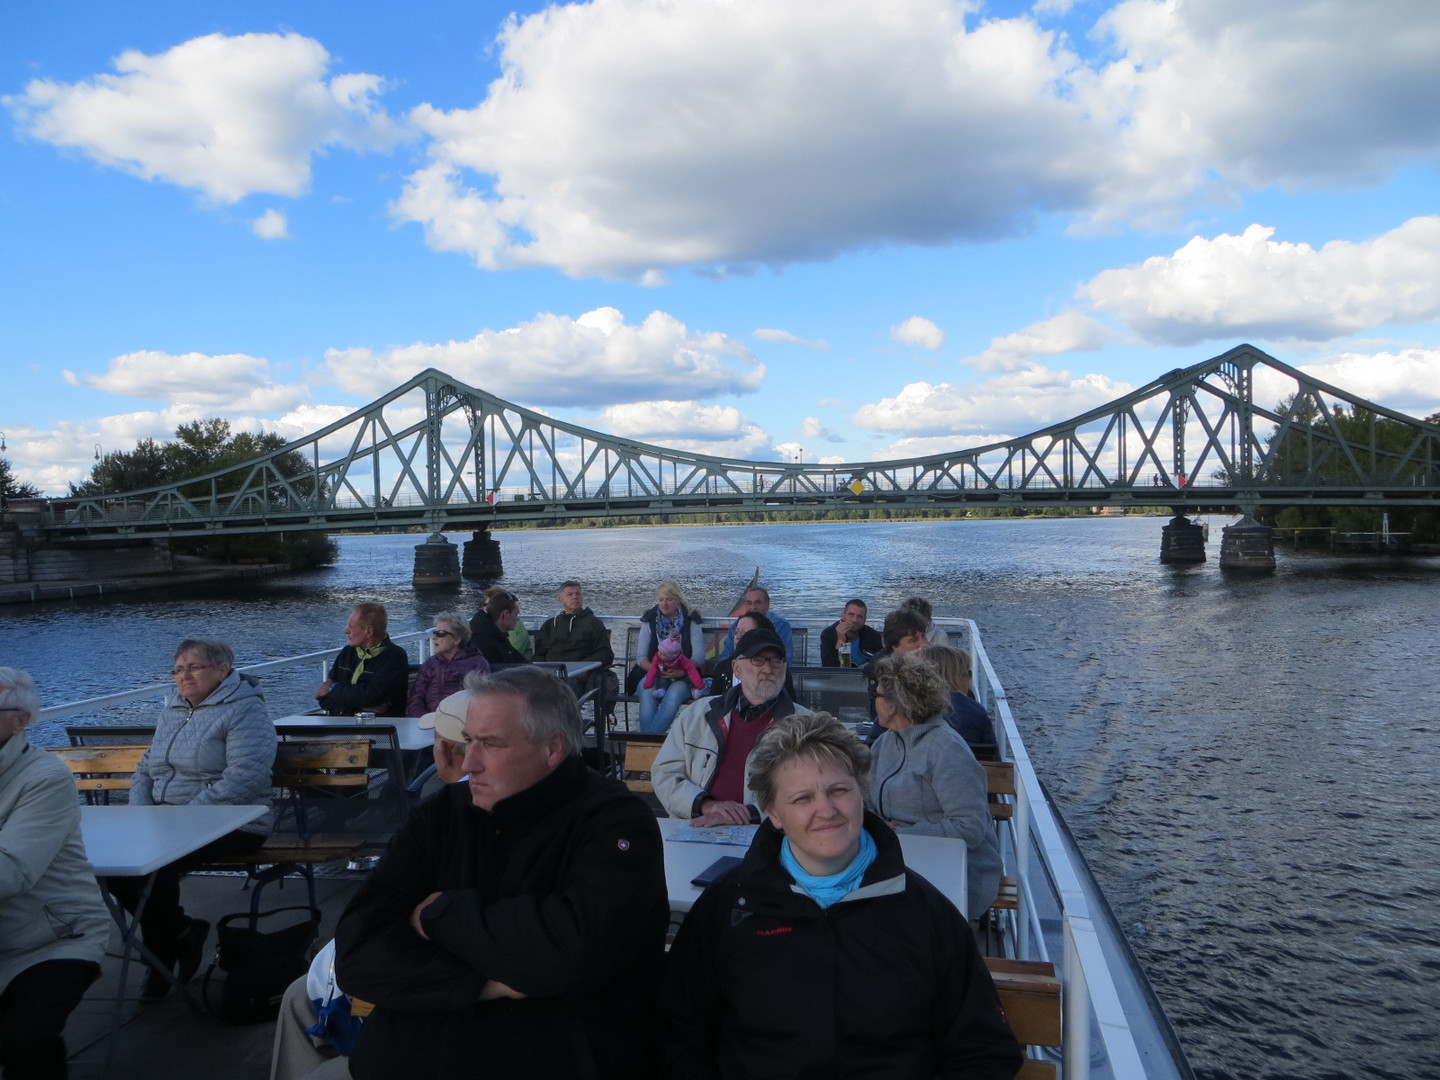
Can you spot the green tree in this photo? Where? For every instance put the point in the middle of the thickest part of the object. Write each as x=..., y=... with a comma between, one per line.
x=10, y=488
x=207, y=446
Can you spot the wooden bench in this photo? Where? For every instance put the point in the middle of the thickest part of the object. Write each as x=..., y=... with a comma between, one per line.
x=304, y=768
x=1030, y=995
x=99, y=770
x=1000, y=784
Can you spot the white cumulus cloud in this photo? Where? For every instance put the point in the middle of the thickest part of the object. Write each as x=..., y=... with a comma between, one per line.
x=1405, y=379
x=626, y=136
x=1024, y=400
x=225, y=385
x=1252, y=286
x=228, y=116
x=271, y=225
x=719, y=430
x=633, y=134
x=1070, y=331
x=556, y=360
x=919, y=331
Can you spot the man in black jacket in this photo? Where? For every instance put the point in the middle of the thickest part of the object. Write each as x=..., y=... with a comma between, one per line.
x=848, y=642
x=516, y=925
x=371, y=673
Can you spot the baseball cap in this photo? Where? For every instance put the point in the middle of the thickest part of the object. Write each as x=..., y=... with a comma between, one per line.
x=757, y=641
x=448, y=719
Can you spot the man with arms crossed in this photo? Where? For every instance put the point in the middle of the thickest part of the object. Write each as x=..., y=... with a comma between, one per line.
x=700, y=772
x=517, y=922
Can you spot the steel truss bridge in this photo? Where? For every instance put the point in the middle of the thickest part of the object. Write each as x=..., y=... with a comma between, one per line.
x=1232, y=434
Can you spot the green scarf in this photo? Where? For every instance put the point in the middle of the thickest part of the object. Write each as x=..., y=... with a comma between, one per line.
x=362, y=655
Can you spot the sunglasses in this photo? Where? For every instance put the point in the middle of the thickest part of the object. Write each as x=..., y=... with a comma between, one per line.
x=441, y=633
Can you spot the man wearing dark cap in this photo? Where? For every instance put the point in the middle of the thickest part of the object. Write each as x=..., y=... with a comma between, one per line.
x=700, y=772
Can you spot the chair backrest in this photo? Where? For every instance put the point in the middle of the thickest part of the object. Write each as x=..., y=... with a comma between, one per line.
x=1000, y=786
x=100, y=768
x=322, y=763
x=1030, y=995
x=842, y=692
x=639, y=757
x=98, y=735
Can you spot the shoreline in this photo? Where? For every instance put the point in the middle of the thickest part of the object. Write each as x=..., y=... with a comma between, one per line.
x=31, y=592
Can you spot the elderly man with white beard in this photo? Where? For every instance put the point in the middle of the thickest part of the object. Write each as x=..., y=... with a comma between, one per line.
x=701, y=771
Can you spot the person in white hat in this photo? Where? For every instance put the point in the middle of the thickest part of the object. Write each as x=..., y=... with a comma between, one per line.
x=448, y=723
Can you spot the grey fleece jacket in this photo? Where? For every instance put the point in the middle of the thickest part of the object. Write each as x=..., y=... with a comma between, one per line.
x=220, y=751
x=926, y=780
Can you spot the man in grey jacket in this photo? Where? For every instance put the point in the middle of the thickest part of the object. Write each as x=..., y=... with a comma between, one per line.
x=701, y=770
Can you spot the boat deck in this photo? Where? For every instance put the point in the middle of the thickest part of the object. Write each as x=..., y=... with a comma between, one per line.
x=167, y=1039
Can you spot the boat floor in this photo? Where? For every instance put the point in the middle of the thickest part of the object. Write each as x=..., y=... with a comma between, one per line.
x=168, y=1039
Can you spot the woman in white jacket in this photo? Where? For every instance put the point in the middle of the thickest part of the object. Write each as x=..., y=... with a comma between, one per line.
x=53, y=923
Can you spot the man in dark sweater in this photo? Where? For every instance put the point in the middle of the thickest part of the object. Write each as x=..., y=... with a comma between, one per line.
x=516, y=925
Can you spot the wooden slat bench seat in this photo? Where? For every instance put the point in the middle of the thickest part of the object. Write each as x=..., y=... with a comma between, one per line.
x=1030, y=995
x=99, y=770
x=1000, y=785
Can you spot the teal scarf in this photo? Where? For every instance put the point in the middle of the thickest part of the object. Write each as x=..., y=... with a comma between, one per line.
x=826, y=890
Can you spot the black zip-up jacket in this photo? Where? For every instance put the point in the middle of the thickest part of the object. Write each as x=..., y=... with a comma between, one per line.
x=493, y=643
x=582, y=636
x=886, y=984
x=559, y=893
x=380, y=689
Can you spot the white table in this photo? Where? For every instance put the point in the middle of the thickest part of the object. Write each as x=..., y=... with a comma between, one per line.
x=408, y=732
x=940, y=860
x=136, y=841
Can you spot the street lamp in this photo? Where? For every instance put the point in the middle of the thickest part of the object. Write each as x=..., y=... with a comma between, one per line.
x=97, y=451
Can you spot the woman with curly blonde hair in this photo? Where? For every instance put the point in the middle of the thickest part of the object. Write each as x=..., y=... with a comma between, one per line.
x=924, y=779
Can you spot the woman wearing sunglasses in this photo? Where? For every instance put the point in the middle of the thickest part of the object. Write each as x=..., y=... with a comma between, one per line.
x=444, y=673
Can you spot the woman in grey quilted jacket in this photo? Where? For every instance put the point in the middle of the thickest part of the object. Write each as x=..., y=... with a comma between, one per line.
x=214, y=743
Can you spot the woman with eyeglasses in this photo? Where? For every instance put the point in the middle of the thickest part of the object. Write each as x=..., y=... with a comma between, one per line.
x=214, y=744
x=492, y=624
x=444, y=672
x=924, y=779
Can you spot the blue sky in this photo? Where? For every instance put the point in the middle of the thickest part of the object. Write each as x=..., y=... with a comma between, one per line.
x=755, y=228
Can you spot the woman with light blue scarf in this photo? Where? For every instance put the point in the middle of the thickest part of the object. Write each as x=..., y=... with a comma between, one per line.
x=821, y=954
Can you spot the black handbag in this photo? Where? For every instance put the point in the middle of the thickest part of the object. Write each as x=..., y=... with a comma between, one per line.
x=260, y=956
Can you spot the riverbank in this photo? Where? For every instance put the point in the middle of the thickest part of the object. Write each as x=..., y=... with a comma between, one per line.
x=182, y=577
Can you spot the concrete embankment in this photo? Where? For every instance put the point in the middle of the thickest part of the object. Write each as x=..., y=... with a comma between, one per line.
x=24, y=592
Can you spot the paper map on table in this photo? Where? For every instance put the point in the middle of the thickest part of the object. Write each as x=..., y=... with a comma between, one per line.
x=739, y=835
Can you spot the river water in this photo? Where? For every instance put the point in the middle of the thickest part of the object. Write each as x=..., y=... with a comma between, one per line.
x=1249, y=763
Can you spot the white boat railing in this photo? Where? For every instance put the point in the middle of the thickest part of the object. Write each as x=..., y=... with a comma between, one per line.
x=1034, y=834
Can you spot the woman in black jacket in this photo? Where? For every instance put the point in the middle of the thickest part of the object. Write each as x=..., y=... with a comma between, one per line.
x=865, y=971
x=491, y=626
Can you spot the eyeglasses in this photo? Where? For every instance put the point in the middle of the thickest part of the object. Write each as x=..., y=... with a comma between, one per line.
x=441, y=633
x=767, y=661
x=188, y=669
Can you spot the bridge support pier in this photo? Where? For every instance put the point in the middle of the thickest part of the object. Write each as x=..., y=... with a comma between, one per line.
x=482, y=557
x=437, y=562
x=1182, y=541
x=1247, y=545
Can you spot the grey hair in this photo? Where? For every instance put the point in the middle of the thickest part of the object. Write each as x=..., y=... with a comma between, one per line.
x=214, y=652
x=550, y=707
x=817, y=736
x=17, y=691
x=915, y=687
x=455, y=623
